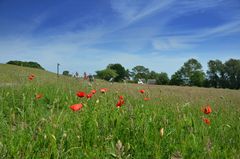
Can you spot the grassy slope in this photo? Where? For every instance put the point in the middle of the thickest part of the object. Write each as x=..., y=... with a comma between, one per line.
x=17, y=74
x=47, y=127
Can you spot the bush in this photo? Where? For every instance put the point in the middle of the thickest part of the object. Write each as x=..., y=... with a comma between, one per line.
x=26, y=64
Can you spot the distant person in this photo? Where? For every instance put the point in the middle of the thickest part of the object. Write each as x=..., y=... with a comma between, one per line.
x=85, y=76
x=76, y=75
x=91, y=78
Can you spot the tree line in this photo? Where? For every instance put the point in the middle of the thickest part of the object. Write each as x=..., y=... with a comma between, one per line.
x=218, y=75
x=26, y=64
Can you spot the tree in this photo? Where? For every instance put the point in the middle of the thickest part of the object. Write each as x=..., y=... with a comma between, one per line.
x=215, y=73
x=127, y=74
x=177, y=78
x=197, y=78
x=120, y=70
x=188, y=69
x=232, y=73
x=162, y=78
x=153, y=75
x=189, y=74
x=66, y=73
x=106, y=74
x=139, y=72
x=26, y=64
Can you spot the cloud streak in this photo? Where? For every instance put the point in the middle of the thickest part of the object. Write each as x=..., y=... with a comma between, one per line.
x=138, y=30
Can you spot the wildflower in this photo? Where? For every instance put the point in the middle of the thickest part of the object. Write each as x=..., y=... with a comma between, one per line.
x=93, y=91
x=76, y=107
x=142, y=91
x=103, y=90
x=120, y=97
x=120, y=102
x=207, y=109
x=89, y=95
x=146, y=99
x=80, y=94
x=38, y=96
x=207, y=121
x=31, y=77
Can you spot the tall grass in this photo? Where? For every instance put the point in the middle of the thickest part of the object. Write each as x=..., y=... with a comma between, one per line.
x=48, y=128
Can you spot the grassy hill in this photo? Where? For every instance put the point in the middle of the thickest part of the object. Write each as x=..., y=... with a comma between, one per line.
x=19, y=74
x=163, y=122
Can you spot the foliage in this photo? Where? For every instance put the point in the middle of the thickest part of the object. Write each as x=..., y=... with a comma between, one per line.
x=177, y=78
x=120, y=70
x=215, y=73
x=127, y=74
x=218, y=75
x=153, y=75
x=189, y=74
x=66, y=73
x=225, y=75
x=191, y=70
x=26, y=64
x=162, y=78
x=232, y=73
x=197, y=78
x=106, y=74
x=139, y=72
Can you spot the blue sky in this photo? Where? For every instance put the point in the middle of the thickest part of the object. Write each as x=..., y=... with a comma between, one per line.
x=88, y=35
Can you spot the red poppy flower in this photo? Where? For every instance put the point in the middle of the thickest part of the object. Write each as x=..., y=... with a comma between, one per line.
x=146, y=98
x=120, y=97
x=38, y=96
x=89, y=95
x=103, y=90
x=93, y=91
x=142, y=91
x=80, y=94
x=207, y=109
x=207, y=121
x=76, y=107
x=120, y=103
x=30, y=78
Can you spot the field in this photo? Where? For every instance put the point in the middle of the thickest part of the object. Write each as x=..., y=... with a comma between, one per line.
x=169, y=123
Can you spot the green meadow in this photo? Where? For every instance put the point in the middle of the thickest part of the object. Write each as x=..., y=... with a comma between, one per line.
x=168, y=125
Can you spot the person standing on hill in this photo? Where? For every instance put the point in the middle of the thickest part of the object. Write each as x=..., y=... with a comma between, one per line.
x=85, y=76
x=91, y=78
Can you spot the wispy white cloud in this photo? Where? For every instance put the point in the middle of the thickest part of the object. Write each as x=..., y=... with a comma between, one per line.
x=167, y=11
x=223, y=30
x=134, y=11
x=195, y=37
x=171, y=43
